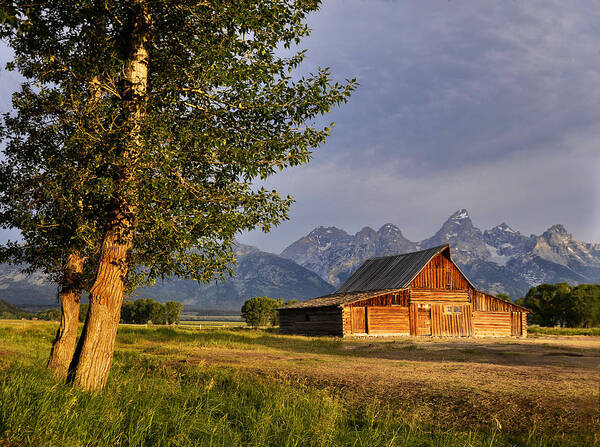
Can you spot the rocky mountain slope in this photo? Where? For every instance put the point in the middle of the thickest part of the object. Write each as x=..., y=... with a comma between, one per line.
x=496, y=260
x=28, y=290
x=257, y=274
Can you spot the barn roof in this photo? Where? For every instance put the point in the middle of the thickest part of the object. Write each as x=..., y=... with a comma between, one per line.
x=391, y=272
x=337, y=299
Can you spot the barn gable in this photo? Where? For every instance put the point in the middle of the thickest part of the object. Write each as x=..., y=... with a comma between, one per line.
x=441, y=273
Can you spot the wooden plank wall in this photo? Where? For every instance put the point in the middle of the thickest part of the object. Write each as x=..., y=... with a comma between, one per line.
x=451, y=324
x=515, y=324
x=484, y=302
x=432, y=295
x=491, y=324
x=388, y=320
x=399, y=298
x=311, y=321
x=424, y=322
x=440, y=273
x=413, y=313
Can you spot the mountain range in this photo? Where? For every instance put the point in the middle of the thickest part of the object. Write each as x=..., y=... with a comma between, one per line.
x=500, y=259
x=497, y=260
x=257, y=273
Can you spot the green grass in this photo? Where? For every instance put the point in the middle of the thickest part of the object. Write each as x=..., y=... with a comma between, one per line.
x=539, y=330
x=151, y=400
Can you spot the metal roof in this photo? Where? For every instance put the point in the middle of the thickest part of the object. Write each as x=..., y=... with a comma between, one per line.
x=337, y=299
x=390, y=272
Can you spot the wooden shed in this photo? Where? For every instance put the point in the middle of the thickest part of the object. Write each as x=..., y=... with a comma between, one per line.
x=423, y=293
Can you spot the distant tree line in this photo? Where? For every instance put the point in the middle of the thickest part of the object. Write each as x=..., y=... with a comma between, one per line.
x=140, y=311
x=144, y=310
x=563, y=305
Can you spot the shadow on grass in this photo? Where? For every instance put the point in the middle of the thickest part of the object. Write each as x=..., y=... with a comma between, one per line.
x=452, y=350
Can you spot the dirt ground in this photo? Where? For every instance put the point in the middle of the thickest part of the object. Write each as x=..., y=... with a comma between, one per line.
x=515, y=383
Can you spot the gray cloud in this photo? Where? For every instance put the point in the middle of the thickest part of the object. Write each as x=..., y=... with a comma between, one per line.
x=528, y=190
x=490, y=106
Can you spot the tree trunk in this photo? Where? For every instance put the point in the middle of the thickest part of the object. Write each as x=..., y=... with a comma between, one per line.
x=70, y=296
x=93, y=357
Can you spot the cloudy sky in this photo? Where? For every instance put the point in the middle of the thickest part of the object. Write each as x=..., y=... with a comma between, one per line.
x=489, y=106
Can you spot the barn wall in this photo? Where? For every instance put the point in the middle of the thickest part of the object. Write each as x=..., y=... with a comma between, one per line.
x=440, y=273
x=311, y=321
x=431, y=295
x=387, y=320
x=491, y=324
x=346, y=320
x=452, y=324
x=485, y=302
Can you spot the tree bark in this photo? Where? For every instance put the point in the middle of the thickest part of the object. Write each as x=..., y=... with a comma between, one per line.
x=93, y=357
x=70, y=297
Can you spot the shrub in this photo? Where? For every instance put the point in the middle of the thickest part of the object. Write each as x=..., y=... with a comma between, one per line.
x=261, y=311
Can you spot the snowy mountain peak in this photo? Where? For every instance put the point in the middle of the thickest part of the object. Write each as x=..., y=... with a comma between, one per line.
x=327, y=232
x=460, y=215
x=558, y=229
x=389, y=228
x=505, y=228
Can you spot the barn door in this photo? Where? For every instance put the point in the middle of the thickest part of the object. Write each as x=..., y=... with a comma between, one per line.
x=359, y=322
x=424, y=321
x=516, y=327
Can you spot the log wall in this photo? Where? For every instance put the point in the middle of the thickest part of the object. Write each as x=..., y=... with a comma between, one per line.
x=387, y=320
x=437, y=295
x=311, y=321
x=346, y=320
x=491, y=324
x=440, y=273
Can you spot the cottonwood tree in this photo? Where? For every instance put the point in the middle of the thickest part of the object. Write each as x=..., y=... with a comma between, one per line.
x=45, y=176
x=193, y=102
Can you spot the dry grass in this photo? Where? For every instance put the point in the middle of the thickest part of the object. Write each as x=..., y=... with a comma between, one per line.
x=545, y=382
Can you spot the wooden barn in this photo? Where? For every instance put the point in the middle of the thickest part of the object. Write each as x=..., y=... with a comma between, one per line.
x=421, y=294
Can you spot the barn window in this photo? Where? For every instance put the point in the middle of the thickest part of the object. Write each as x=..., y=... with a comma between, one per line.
x=307, y=316
x=452, y=309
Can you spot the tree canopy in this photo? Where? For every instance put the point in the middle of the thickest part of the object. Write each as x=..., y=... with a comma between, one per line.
x=222, y=109
x=563, y=305
x=261, y=311
x=141, y=133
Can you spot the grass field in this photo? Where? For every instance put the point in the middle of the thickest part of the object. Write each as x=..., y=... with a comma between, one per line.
x=538, y=330
x=235, y=386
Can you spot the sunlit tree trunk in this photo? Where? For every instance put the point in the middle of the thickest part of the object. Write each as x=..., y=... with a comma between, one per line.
x=66, y=336
x=93, y=357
